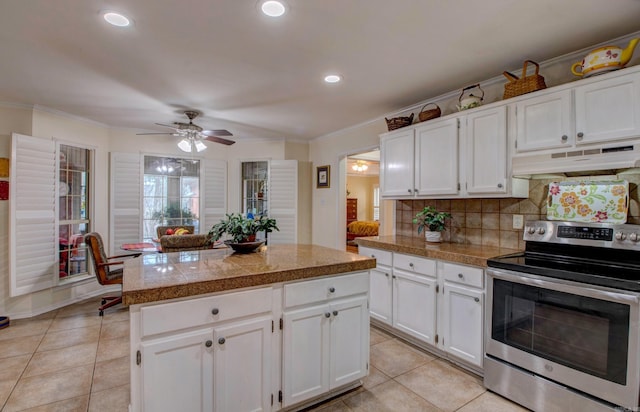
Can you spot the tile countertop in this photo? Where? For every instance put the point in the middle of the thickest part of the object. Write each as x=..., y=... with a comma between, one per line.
x=158, y=276
x=453, y=252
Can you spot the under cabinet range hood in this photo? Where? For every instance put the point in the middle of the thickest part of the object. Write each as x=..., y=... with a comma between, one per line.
x=577, y=160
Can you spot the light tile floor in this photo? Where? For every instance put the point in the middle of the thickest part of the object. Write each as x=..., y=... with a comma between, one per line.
x=73, y=360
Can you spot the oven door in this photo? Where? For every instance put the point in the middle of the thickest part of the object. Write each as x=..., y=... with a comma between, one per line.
x=581, y=336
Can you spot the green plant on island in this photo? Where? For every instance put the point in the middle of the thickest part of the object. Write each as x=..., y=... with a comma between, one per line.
x=430, y=219
x=241, y=229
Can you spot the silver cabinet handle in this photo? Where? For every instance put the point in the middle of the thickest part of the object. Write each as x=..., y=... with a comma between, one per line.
x=222, y=341
x=215, y=311
x=208, y=343
x=565, y=137
x=327, y=314
x=476, y=299
x=580, y=136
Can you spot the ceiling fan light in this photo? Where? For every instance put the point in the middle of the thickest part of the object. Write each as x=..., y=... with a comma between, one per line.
x=199, y=145
x=184, y=145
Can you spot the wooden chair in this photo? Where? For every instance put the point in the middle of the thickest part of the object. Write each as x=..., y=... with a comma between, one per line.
x=103, y=268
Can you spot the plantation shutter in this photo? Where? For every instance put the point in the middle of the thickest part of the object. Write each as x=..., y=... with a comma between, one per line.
x=215, y=193
x=125, y=200
x=33, y=244
x=283, y=200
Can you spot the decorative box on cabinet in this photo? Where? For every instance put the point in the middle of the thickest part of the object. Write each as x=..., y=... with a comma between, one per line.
x=352, y=210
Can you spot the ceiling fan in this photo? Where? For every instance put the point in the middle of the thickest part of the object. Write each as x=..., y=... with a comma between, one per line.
x=193, y=135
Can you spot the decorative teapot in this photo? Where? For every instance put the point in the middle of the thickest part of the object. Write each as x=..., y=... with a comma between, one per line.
x=604, y=59
x=470, y=101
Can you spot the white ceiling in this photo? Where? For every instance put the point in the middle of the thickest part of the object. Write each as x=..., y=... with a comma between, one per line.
x=261, y=77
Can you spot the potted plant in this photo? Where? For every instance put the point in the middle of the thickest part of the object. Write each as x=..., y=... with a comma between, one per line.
x=241, y=229
x=433, y=223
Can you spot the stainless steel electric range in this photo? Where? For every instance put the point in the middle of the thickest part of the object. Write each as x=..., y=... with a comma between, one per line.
x=563, y=318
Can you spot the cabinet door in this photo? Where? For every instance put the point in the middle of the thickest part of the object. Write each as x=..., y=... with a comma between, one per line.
x=185, y=357
x=608, y=109
x=544, y=122
x=349, y=341
x=380, y=284
x=436, y=158
x=396, y=164
x=414, y=305
x=242, y=365
x=305, y=350
x=462, y=332
x=486, y=156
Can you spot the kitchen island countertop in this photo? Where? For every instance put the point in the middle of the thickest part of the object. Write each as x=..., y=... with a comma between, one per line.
x=160, y=276
x=475, y=255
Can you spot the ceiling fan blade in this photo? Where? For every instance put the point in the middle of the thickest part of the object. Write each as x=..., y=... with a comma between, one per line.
x=166, y=125
x=142, y=134
x=219, y=140
x=218, y=132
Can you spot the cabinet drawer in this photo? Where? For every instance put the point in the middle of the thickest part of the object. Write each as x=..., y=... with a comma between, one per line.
x=383, y=257
x=310, y=291
x=195, y=312
x=465, y=275
x=416, y=264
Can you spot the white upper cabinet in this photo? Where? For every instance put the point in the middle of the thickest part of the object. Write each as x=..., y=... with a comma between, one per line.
x=486, y=157
x=462, y=156
x=591, y=112
x=544, y=122
x=436, y=158
x=396, y=164
x=608, y=110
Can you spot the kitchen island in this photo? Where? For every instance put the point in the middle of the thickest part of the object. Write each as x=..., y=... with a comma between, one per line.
x=280, y=328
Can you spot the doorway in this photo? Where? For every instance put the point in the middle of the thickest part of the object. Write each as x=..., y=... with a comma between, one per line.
x=363, y=205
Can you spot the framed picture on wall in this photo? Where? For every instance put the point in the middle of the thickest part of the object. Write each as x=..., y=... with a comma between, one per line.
x=323, y=177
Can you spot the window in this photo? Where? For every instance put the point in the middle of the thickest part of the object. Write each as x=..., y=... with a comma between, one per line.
x=73, y=208
x=171, y=193
x=376, y=202
x=254, y=188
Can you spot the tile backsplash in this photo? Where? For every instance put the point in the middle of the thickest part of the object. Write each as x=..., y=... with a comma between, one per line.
x=490, y=221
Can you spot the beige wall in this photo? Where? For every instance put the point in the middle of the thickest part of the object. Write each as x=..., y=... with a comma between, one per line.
x=361, y=188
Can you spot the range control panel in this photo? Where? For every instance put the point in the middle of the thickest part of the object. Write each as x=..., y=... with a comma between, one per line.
x=623, y=236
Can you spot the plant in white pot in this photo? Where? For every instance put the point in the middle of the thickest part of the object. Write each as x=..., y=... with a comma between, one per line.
x=432, y=222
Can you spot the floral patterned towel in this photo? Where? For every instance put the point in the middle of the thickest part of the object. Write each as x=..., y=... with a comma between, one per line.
x=600, y=202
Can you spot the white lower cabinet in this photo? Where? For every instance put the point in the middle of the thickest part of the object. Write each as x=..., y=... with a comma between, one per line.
x=226, y=352
x=414, y=305
x=462, y=331
x=325, y=344
x=242, y=365
x=185, y=357
x=439, y=303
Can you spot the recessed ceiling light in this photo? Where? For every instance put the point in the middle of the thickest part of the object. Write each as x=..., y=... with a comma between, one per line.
x=116, y=19
x=332, y=78
x=273, y=8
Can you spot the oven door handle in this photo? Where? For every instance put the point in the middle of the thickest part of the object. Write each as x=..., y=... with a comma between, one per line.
x=561, y=285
